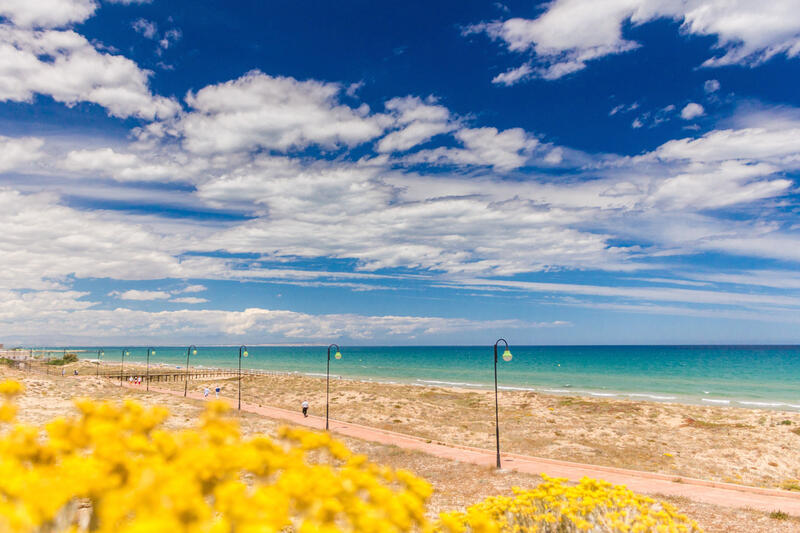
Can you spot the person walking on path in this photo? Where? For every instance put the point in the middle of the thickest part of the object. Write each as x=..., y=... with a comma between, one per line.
x=305, y=408
x=205, y=393
x=216, y=391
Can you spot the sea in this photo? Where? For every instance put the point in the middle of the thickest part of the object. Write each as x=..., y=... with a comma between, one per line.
x=766, y=377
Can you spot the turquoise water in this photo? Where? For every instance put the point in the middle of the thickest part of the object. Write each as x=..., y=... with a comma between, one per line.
x=749, y=376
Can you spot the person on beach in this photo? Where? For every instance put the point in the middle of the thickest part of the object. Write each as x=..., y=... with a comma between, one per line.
x=206, y=392
x=305, y=408
x=216, y=391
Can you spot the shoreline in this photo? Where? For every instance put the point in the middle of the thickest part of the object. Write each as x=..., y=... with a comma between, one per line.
x=564, y=391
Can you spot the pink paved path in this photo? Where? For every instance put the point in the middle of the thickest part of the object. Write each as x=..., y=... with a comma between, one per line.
x=724, y=494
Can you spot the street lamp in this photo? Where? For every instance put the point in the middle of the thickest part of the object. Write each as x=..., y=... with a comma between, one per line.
x=100, y=354
x=506, y=357
x=193, y=351
x=241, y=353
x=338, y=355
x=149, y=352
x=125, y=352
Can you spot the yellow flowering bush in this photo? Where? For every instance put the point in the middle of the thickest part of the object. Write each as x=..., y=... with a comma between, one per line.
x=115, y=468
x=555, y=507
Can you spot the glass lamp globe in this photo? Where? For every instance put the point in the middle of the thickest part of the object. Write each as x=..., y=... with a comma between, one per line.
x=507, y=355
x=194, y=352
x=245, y=353
x=338, y=354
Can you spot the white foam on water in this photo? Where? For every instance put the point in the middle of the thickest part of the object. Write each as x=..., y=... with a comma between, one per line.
x=516, y=388
x=450, y=383
x=712, y=400
x=652, y=396
x=602, y=394
x=762, y=404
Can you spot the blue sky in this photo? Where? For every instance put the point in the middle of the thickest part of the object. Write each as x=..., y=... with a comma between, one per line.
x=366, y=173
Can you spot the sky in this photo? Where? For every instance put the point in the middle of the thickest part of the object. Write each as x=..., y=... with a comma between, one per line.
x=374, y=173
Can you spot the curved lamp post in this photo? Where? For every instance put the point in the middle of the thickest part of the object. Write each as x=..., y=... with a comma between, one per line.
x=506, y=357
x=242, y=352
x=338, y=355
x=193, y=351
x=125, y=352
x=150, y=351
x=100, y=354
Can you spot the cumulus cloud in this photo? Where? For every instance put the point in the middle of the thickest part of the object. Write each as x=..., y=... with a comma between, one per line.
x=64, y=65
x=16, y=153
x=504, y=150
x=419, y=120
x=569, y=34
x=692, y=110
x=273, y=112
x=711, y=86
x=129, y=166
x=46, y=13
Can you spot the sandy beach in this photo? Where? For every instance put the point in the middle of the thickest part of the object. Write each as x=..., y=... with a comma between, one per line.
x=707, y=442
x=736, y=445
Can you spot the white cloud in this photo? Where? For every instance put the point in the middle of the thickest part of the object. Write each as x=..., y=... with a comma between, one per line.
x=692, y=110
x=147, y=28
x=46, y=13
x=504, y=150
x=711, y=86
x=571, y=33
x=280, y=113
x=65, y=317
x=65, y=66
x=418, y=121
x=513, y=76
x=140, y=295
x=18, y=152
x=193, y=300
x=192, y=288
x=43, y=243
x=127, y=166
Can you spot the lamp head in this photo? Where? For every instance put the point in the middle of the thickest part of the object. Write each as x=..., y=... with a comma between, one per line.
x=338, y=354
x=194, y=352
x=507, y=355
x=245, y=353
x=127, y=352
x=153, y=352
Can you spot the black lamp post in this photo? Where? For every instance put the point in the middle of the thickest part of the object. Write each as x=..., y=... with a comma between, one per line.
x=506, y=357
x=125, y=352
x=241, y=353
x=100, y=353
x=149, y=352
x=338, y=355
x=193, y=351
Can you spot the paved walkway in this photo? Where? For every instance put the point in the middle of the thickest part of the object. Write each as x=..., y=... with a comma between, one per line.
x=724, y=494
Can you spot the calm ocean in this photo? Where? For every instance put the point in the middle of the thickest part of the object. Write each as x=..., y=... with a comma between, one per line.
x=745, y=376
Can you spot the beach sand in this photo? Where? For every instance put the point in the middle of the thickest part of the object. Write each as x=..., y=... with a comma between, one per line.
x=604, y=431
x=736, y=445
